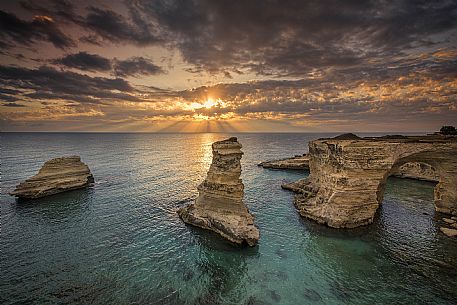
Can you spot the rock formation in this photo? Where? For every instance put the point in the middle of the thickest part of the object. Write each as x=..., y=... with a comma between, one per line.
x=416, y=170
x=348, y=176
x=56, y=176
x=296, y=162
x=219, y=206
x=411, y=170
x=452, y=222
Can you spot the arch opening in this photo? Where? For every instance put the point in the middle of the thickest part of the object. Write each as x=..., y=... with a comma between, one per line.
x=421, y=166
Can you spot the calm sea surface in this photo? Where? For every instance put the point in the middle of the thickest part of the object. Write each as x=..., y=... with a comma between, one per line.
x=121, y=241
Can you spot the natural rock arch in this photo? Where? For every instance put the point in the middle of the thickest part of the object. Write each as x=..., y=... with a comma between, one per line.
x=412, y=160
x=348, y=176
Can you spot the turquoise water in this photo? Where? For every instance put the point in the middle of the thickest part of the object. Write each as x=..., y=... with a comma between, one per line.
x=121, y=242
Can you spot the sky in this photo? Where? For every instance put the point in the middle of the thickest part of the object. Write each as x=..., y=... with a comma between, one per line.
x=228, y=65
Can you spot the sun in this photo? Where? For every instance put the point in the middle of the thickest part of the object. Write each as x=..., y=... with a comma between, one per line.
x=209, y=103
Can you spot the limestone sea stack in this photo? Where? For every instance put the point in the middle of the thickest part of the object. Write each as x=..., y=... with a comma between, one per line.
x=56, y=176
x=219, y=206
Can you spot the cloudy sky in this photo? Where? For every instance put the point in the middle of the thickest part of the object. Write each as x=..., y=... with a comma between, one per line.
x=228, y=65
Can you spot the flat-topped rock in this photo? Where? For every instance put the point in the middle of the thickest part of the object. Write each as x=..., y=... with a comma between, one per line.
x=56, y=176
x=296, y=162
x=219, y=206
x=348, y=175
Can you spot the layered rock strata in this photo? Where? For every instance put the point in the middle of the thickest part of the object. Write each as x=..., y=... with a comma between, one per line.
x=296, y=162
x=348, y=176
x=56, y=176
x=219, y=206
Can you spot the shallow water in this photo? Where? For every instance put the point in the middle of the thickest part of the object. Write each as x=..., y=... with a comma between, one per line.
x=121, y=242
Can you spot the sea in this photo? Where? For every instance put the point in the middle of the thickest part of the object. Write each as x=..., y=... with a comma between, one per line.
x=122, y=242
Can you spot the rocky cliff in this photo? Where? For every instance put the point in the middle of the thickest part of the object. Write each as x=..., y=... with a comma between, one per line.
x=219, y=206
x=56, y=176
x=348, y=176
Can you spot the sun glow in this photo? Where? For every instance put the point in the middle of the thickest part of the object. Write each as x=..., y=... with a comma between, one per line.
x=209, y=103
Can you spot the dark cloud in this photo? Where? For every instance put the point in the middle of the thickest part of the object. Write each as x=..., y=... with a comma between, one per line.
x=12, y=105
x=59, y=9
x=7, y=98
x=277, y=37
x=99, y=23
x=41, y=28
x=136, y=66
x=116, y=27
x=49, y=83
x=85, y=61
x=292, y=37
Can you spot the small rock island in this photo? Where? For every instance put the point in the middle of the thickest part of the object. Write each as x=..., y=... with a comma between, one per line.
x=219, y=206
x=56, y=176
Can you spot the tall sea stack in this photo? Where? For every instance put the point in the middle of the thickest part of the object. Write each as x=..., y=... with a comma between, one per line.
x=56, y=176
x=219, y=206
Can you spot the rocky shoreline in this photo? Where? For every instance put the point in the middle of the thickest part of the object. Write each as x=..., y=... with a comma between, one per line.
x=449, y=227
x=55, y=176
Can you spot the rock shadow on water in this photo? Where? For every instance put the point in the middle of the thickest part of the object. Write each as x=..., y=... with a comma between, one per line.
x=57, y=206
x=212, y=241
x=363, y=232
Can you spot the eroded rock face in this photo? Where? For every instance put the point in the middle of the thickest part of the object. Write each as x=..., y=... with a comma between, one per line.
x=56, y=176
x=219, y=206
x=347, y=177
x=417, y=170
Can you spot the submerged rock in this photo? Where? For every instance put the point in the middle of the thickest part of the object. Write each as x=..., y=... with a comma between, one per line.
x=56, y=176
x=449, y=232
x=219, y=206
